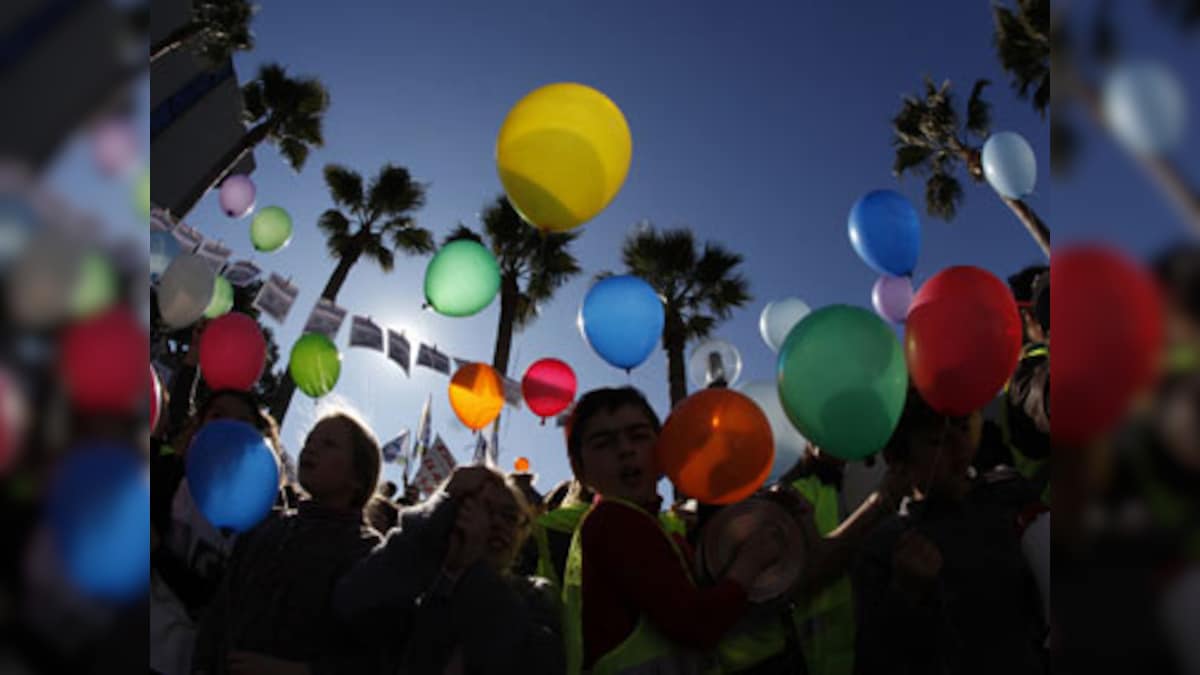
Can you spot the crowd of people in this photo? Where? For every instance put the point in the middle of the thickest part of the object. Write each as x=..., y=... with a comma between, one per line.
x=932, y=573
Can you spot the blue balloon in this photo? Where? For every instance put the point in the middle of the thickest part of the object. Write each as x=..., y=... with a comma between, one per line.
x=886, y=232
x=163, y=249
x=622, y=319
x=232, y=474
x=1009, y=164
x=99, y=517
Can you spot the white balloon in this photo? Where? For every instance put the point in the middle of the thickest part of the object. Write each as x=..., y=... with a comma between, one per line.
x=778, y=318
x=1009, y=164
x=185, y=290
x=1145, y=107
x=790, y=444
x=714, y=360
x=44, y=279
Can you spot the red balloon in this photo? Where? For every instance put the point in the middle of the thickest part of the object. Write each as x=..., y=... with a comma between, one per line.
x=549, y=387
x=155, y=399
x=962, y=339
x=716, y=446
x=103, y=361
x=1109, y=317
x=233, y=352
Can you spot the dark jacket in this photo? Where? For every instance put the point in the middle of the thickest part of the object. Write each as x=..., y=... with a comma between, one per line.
x=275, y=598
x=396, y=598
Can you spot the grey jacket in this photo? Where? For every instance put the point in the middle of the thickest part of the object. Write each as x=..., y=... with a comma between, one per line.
x=397, y=599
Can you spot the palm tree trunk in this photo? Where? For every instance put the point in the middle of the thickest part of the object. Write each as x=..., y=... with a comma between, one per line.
x=339, y=276
x=1037, y=228
x=221, y=168
x=509, y=293
x=674, y=343
x=174, y=40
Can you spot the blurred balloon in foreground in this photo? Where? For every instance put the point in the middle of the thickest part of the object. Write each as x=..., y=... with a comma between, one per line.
x=233, y=352
x=1009, y=164
x=99, y=516
x=892, y=297
x=42, y=284
x=185, y=290
x=232, y=474
x=778, y=318
x=521, y=465
x=476, y=395
x=562, y=154
x=114, y=146
x=13, y=421
x=156, y=401
x=716, y=446
x=622, y=320
x=790, y=444
x=222, y=298
x=237, y=195
x=164, y=247
x=1109, y=336
x=19, y=223
x=886, y=232
x=102, y=362
x=95, y=286
x=462, y=279
x=271, y=229
x=315, y=364
x=1145, y=107
x=141, y=193
x=548, y=387
x=715, y=361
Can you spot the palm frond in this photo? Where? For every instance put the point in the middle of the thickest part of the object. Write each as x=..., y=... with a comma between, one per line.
x=340, y=244
x=333, y=222
x=910, y=158
x=294, y=151
x=375, y=249
x=394, y=192
x=254, y=103
x=345, y=186
x=411, y=240
x=462, y=232
x=943, y=194
x=979, y=111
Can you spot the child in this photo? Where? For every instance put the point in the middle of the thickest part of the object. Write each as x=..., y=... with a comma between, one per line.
x=440, y=590
x=631, y=600
x=272, y=614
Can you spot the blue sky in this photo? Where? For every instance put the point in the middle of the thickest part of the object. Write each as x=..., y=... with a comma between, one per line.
x=756, y=127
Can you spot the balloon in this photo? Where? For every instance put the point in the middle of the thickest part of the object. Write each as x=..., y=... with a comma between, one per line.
x=96, y=285
x=477, y=395
x=892, y=297
x=1145, y=107
x=237, y=196
x=562, y=154
x=222, y=298
x=271, y=229
x=102, y=362
x=521, y=465
x=232, y=474
x=622, y=319
x=716, y=446
x=185, y=290
x=315, y=364
x=548, y=387
x=842, y=380
x=141, y=193
x=155, y=399
x=962, y=339
x=13, y=421
x=163, y=249
x=885, y=232
x=233, y=352
x=777, y=319
x=99, y=518
x=1009, y=164
x=715, y=361
x=789, y=443
x=19, y=222
x=42, y=283
x=114, y=146
x=1110, y=334
x=462, y=278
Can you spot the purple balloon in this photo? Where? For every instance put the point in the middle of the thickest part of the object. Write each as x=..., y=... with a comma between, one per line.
x=891, y=297
x=237, y=196
x=114, y=146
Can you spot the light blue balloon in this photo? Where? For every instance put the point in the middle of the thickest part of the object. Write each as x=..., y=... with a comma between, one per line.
x=622, y=320
x=790, y=444
x=886, y=232
x=163, y=249
x=99, y=517
x=232, y=474
x=1145, y=107
x=1009, y=164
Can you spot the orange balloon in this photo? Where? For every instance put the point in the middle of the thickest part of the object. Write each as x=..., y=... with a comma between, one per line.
x=717, y=446
x=521, y=465
x=477, y=395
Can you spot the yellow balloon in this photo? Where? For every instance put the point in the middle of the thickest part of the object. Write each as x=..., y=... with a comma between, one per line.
x=563, y=153
x=477, y=395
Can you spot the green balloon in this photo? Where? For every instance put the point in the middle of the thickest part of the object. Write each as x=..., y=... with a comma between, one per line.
x=271, y=229
x=315, y=364
x=462, y=278
x=222, y=299
x=843, y=380
x=141, y=193
x=96, y=288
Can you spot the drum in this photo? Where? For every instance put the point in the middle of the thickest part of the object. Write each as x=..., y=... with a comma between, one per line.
x=732, y=526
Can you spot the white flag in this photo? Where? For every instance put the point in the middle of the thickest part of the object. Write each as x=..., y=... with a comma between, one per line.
x=276, y=297
x=396, y=448
x=399, y=350
x=512, y=392
x=436, y=466
x=326, y=318
x=242, y=273
x=215, y=254
x=431, y=358
x=189, y=238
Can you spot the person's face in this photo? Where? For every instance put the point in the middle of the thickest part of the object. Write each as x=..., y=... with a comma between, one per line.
x=617, y=454
x=941, y=454
x=230, y=408
x=326, y=468
x=1033, y=329
x=505, y=523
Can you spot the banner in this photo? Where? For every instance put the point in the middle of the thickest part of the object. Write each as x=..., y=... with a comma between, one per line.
x=399, y=350
x=215, y=254
x=431, y=358
x=364, y=333
x=395, y=449
x=436, y=466
x=512, y=392
x=326, y=318
x=242, y=273
x=276, y=297
x=459, y=363
x=189, y=238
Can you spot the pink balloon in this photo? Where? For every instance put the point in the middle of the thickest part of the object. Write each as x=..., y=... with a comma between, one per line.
x=237, y=195
x=549, y=387
x=233, y=352
x=892, y=297
x=114, y=146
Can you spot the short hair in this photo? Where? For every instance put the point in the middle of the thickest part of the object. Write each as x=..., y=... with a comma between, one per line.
x=1178, y=272
x=603, y=400
x=365, y=453
x=263, y=421
x=1022, y=283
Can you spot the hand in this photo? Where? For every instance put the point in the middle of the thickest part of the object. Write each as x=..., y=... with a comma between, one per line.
x=916, y=563
x=759, y=552
x=467, y=480
x=251, y=663
x=468, y=541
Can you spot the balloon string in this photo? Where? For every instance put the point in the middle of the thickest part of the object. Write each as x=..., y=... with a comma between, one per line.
x=938, y=456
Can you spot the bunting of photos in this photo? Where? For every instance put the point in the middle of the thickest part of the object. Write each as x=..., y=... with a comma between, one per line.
x=276, y=297
x=432, y=359
x=399, y=350
x=326, y=318
x=242, y=273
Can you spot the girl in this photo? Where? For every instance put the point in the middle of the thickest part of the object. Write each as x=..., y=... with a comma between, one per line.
x=272, y=613
x=443, y=583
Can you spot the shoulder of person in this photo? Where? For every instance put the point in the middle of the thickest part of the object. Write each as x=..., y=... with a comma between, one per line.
x=1006, y=485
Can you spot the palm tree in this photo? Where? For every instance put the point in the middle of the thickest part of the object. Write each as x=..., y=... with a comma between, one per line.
x=286, y=112
x=216, y=30
x=700, y=289
x=1022, y=41
x=929, y=141
x=374, y=223
x=533, y=266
